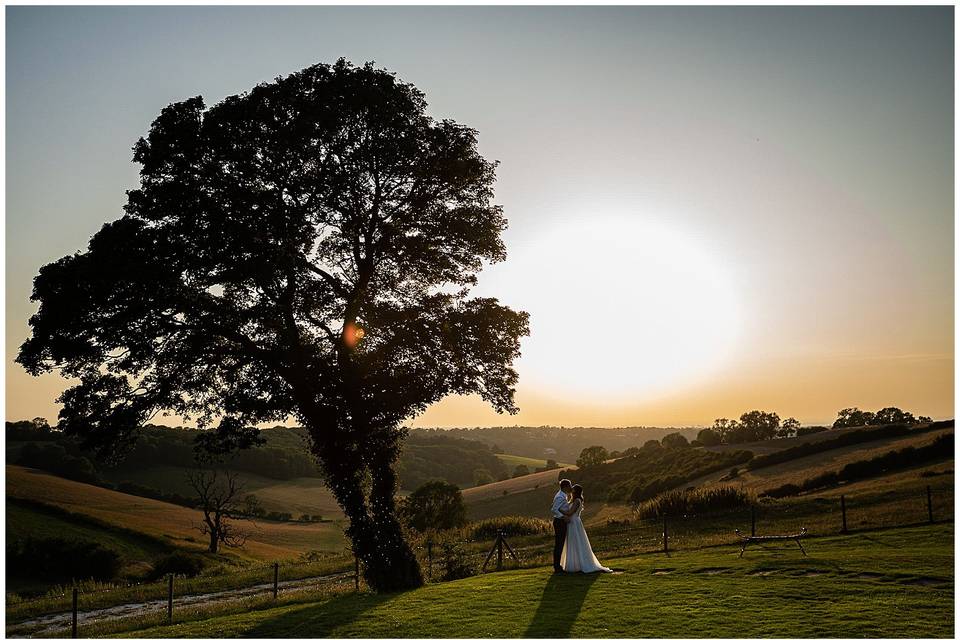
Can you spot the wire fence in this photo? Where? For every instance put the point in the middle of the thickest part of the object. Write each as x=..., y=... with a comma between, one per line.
x=827, y=515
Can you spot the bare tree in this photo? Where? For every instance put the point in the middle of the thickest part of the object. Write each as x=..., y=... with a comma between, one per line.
x=219, y=496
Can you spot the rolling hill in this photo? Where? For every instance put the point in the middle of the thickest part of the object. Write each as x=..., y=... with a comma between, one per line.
x=166, y=522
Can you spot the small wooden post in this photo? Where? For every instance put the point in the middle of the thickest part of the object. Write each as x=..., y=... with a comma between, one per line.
x=499, y=550
x=843, y=513
x=74, y=625
x=929, y=505
x=430, y=559
x=276, y=579
x=666, y=548
x=753, y=520
x=356, y=571
x=170, y=598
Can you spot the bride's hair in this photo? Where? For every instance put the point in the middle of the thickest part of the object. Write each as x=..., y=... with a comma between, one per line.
x=577, y=492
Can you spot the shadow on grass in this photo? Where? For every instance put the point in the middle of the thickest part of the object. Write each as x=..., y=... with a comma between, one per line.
x=560, y=604
x=320, y=620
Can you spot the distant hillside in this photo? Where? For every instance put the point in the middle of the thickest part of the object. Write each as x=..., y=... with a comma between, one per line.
x=171, y=523
x=560, y=443
x=284, y=457
x=651, y=471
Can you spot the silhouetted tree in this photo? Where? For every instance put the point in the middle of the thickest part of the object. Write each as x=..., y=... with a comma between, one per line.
x=592, y=456
x=853, y=417
x=759, y=425
x=218, y=497
x=304, y=250
x=893, y=415
x=709, y=437
x=521, y=470
x=788, y=428
x=435, y=505
x=674, y=441
x=724, y=427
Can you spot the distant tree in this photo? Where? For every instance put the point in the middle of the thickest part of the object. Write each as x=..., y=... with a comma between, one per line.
x=724, y=427
x=709, y=437
x=788, y=428
x=759, y=425
x=674, y=441
x=894, y=415
x=924, y=419
x=40, y=424
x=592, y=456
x=218, y=497
x=853, y=417
x=551, y=463
x=496, y=449
x=252, y=507
x=304, y=250
x=481, y=477
x=436, y=505
x=521, y=470
x=652, y=444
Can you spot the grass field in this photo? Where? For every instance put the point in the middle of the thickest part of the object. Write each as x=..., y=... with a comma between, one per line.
x=799, y=469
x=26, y=519
x=531, y=463
x=268, y=541
x=296, y=496
x=530, y=495
x=892, y=583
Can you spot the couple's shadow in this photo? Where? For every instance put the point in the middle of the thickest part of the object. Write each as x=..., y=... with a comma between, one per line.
x=560, y=604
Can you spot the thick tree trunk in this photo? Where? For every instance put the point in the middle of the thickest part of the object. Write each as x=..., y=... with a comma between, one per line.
x=214, y=542
x=389, y=563
x=401, y=564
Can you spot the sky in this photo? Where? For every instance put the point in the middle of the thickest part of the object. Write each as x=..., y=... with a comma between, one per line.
x=712, y=209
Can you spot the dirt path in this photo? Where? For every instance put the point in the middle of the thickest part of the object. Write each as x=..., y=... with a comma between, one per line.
x=61, y=621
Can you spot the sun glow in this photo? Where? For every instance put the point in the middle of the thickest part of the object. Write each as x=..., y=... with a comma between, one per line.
x=622, y=308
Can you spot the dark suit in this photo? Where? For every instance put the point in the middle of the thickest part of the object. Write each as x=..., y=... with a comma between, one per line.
x=560, y=536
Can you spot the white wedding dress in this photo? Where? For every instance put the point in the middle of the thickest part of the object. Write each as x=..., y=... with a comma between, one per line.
x=577, y=554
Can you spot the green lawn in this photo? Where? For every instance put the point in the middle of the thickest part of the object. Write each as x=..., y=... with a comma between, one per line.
x=532, y=463
x=26, y=519
x=891, y=583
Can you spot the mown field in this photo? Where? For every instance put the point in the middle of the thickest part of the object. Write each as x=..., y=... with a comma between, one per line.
x=891, y=583
x=168, y=522
x=296, y=496
x=799, y=469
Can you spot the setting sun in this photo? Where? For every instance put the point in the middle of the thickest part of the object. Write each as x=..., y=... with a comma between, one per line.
x=622, y=307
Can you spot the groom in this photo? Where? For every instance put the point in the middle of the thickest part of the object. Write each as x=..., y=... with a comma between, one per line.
x=560, y=523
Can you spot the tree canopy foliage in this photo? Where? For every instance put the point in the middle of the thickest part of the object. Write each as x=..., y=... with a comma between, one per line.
x=303, y=250
x=436, y=505
x=592, y=456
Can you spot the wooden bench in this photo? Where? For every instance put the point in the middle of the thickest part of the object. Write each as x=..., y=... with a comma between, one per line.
x=745, y=540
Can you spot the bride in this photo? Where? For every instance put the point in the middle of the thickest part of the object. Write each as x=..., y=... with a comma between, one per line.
x=577, y=554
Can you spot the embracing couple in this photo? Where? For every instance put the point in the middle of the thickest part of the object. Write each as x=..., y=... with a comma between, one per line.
x=571, y=549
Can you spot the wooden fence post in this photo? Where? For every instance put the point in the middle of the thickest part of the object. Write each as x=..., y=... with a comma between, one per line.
x=74, y=625
x=430, y=559
x=929, y=505
x=843, y=513
x=666, y=547
x=276, y=579
x=170, y=598
x=753, y=520
x=499, y=550
x=356, y=571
